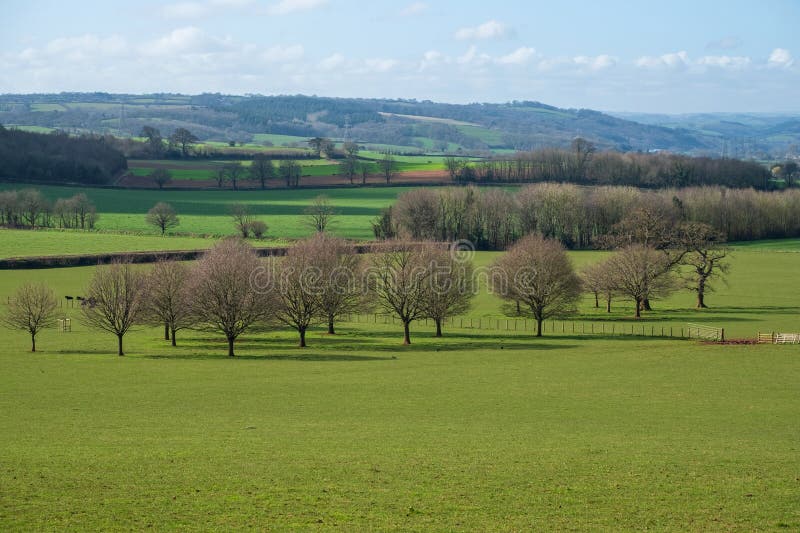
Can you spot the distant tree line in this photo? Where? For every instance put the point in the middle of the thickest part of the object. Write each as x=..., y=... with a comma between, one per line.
x=58, y=157
x=28, y=208
x=582, y=164
x=583, y=217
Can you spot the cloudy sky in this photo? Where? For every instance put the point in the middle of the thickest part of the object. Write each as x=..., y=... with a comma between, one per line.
x=669, y=57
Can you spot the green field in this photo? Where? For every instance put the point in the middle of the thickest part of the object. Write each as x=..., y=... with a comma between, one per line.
x=27, y=243
x=206, y=212
x=479, y=430
x=206, y=170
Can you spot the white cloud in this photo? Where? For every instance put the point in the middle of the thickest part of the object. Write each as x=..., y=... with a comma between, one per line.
x=180, y=40
x=432, y=58
x=517, y=57
x=781, y=57
x=491, y=29
x=283, y=54
x=672, y=60
x=601, y=62
x=85, y=46
x=732, y=62
x=285, y=7
x=417, y=8
x=331, y=62
x=380, y=64
x=473, y=58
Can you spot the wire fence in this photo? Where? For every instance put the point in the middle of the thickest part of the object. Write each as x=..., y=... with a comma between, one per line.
x=521, y=325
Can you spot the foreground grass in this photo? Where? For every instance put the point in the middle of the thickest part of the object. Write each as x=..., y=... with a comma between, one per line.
x=480, y=430
x=357, y=433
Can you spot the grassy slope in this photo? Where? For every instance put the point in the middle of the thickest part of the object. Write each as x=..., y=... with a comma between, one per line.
x=206, y=212
x=358, y=433
x=25, y=243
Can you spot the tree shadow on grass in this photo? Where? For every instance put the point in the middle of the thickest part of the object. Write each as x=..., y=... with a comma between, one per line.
x=110, y=351
x=305, y=357
x=283, y=348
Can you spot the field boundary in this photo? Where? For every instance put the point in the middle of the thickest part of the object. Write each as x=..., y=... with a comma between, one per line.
x=521, y=325
x=151, y=256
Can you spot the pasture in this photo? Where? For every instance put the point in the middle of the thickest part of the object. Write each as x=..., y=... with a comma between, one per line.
x=207, y=213
x=479, y=430
x=193, y=170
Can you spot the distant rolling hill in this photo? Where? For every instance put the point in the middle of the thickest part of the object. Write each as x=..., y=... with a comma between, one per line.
x=400, y=125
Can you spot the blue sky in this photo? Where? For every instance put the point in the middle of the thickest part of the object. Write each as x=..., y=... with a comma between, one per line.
x=661, y=57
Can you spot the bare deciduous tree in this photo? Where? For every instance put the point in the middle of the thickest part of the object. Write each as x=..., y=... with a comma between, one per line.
x=641, y=273
x=183, y=138
x=223, y=290
x=318, y=144
x=115, y=299
x=234, y=173
x=241, y=219
x=290, y=171
x=161, y=177
x=162, y=216
x=155, y=143
x=340, y=278
x=168, y=298
x=220, y=175
x=455, y=167
x=705, y=256
x=388, y=166
x=399, y=279
x=262, y=170
x=538, y=273
x=320, y=213
x=350, y=164
x=299, y=288
x=32, y=308
x=451, y=286
x=598, y=280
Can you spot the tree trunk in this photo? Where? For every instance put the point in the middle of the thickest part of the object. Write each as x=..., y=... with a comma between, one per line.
x=596, y=300
x=173, y=338
x=608, y=304
x=302, y=332
x=646, y=304
x=119, y=345
x=638, y=308
x=33, y=342
x=539, y=327
x=166, y=331
x=701, y=293
x=438, y=327
x=406, y=333
x=230, y=346
x=701, y=304
x=519, y=312
x=331, y=331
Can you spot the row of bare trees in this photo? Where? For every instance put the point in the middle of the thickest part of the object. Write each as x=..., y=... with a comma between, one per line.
x=583, y=217
x=231, y=290
x=29, y=208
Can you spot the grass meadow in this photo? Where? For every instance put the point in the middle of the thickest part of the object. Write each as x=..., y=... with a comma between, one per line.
x=203, y=213
x=480, y=430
